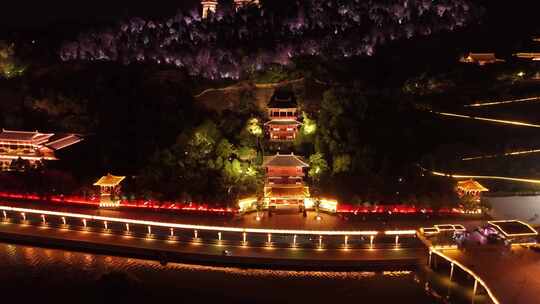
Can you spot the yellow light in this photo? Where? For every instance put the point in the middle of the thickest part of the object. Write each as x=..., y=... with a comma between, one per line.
x=400, y=232
x=470, y=272
x=149, y=229
x=504, y=154
x=500, y=121
x=496, y=224
x=294, y=240
x=105, y=225
x=171, y=232
x=23, y=216
x=219, y=236
x=460, y=176
x=63, y=220
x=4, y=213
x=84, y=217
x=320, y=241
x=247, y=204
x=346, y=242
x=43, y=219
x=244, y=237
x=196, y=234
x=371, y=241
x=269, y=238
x=84, y=223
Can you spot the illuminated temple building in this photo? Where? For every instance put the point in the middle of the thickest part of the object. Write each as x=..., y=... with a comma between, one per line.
x=534, y=56
x=283, y=115
x=470, y=187
x=109, y=190
x=31, y=147
x=284, y=184
x=480, y=58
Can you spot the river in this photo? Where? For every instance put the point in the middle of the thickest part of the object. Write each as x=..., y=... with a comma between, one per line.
x=39, y=275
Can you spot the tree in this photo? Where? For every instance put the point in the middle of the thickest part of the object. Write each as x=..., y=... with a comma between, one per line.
x=10, y=66
x=317, y=167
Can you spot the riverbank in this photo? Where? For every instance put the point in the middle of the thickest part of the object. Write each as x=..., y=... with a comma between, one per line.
x=204, y=253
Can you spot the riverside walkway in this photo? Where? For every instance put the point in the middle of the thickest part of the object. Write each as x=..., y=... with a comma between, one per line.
x=510, y=273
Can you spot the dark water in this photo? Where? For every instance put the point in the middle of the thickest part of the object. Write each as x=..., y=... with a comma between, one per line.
x=38, y=275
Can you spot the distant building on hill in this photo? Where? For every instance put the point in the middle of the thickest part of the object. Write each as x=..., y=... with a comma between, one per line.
x=480, y=58
x=20, y=150
x=283, y=115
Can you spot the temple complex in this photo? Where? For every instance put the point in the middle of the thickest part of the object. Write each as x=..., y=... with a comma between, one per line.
x=283, y=115
x=470, y=187
x=31, y=147
x=284, y=183
x=109, y=190
x=480, y=58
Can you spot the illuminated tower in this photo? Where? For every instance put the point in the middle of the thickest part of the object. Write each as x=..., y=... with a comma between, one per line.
x=208, y=6
x=240, y=3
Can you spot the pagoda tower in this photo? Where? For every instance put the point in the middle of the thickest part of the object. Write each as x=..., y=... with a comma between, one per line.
x=241, y=3
x=208, y=6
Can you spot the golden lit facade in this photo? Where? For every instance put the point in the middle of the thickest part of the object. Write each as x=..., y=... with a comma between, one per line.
x=284, y=183
x=31, y=147
x=109, y=190
x=470, y=187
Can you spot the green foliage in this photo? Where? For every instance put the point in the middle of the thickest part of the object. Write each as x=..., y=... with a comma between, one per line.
x=10, y=66
x=317, y=167
x=309, y=126
x=341, y=163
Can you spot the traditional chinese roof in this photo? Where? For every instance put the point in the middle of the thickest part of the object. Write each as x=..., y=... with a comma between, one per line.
x=282, y=100
x=284, y=160
x=514, y=228
x=28, y=136
x=471, y=185
x=279, y=122
x=61, y=141
x=109, y=180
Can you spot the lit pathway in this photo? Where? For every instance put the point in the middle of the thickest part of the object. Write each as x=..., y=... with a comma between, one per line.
x=496, y=103
x=463, y=176
x=514, y=153
x=180, y=250
x=511, y=275
x=493, y=120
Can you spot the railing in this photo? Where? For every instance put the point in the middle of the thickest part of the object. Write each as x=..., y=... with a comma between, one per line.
x=453, y=263
x=129, y=225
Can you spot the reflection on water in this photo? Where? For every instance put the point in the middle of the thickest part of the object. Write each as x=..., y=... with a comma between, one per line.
x=50, y=275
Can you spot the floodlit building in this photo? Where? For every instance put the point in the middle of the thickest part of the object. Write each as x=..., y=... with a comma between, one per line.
x=283, y=114
x=470, y=187
x=208, y=6
x=109, y=190
x=31, y=147
x=241, y=3
x=480, y=58
x=284, y=184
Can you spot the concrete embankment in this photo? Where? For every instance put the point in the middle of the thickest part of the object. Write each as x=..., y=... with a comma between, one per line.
x=203, y=253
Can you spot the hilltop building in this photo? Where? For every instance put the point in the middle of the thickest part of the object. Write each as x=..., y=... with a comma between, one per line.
x=31, y=148
x=283, y=115
x=480, y=58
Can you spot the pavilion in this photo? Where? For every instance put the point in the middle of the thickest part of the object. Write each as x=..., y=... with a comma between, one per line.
x=283, y=114
x=109, y=189
x=470, y=187
x=33, y=147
